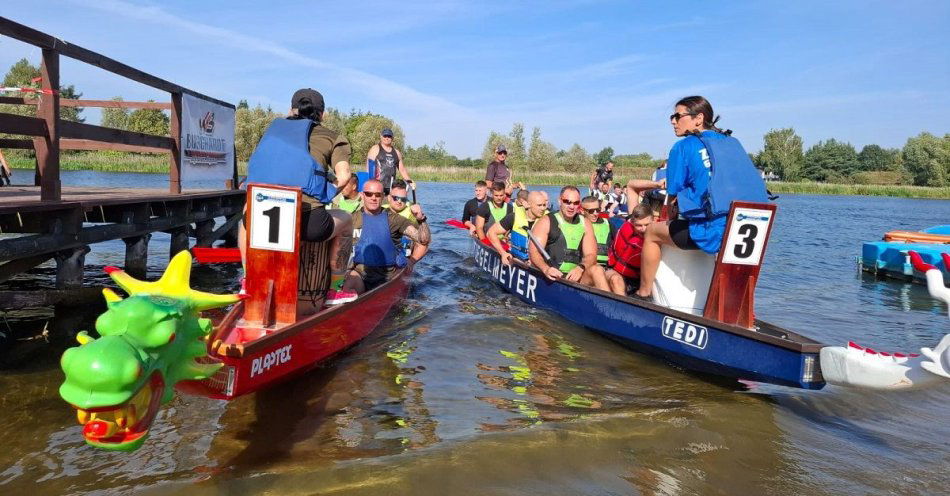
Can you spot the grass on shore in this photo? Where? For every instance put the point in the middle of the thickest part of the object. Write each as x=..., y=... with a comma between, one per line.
x=158, y=164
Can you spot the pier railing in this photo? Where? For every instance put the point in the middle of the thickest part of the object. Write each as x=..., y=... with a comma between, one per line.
x=50, y=134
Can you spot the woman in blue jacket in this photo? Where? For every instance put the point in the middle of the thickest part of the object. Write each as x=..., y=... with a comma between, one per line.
x=688, y=171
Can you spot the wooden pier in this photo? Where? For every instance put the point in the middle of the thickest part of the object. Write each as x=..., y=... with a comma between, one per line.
x=47, y=221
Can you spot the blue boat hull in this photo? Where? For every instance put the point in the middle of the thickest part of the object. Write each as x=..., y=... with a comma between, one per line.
x=690, y=341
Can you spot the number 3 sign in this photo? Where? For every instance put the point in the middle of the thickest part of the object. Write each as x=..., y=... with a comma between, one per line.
x=273, y=215
x=747, y=235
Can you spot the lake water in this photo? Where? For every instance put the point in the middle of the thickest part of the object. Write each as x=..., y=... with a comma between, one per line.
x=465, y=390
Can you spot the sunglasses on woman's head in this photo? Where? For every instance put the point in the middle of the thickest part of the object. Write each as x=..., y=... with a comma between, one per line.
x=677, y=116
x=373, y=194
x=569, y=202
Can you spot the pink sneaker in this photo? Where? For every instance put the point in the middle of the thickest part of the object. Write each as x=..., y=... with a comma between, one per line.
x=335, y=297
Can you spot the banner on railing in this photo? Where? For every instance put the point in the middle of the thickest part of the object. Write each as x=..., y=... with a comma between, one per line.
x=207, y=140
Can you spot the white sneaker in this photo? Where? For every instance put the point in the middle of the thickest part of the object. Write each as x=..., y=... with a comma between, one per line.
x=335, y=297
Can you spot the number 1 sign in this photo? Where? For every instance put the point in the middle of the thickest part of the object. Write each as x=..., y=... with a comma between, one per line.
x=273, y=215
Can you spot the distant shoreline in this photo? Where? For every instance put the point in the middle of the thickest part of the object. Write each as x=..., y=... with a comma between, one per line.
x=152, y=164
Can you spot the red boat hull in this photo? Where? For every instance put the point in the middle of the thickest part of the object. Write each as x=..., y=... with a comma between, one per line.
x=295, y=348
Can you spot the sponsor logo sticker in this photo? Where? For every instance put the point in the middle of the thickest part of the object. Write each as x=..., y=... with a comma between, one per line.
x=685, y=332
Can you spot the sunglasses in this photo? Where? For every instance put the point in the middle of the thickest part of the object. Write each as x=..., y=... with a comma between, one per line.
x=501, y=153
x=677, y=116
x=373, y=194
x=568, y=202
x=402, y=199
x=592, y=211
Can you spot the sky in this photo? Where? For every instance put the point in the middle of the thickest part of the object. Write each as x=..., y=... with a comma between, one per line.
x=597, y=73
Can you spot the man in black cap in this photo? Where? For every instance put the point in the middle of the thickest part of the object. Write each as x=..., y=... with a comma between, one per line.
x=498, y=170
x=299, y=143
x=388, y=160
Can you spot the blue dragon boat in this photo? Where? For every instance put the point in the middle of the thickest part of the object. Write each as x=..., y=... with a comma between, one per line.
x=702, y=317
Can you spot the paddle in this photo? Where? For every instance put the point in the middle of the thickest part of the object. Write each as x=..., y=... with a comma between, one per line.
x=412, y=185
x=204, y=255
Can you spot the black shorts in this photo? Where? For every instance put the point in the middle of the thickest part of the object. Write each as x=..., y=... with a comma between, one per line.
x=316, y=224
x=679, y=233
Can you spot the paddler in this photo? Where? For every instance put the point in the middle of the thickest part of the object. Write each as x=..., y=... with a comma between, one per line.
x=703, y=206
x=492, y=211
x=400, y=204
x=470, y=210
x=626, y=249
x=568, y=238
x=604, y=232
x=349, y=198
x=516, y=226
x=376, y=238
x=388, y=161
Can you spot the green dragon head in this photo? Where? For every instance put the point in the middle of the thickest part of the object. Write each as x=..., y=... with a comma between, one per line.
x=149, y=342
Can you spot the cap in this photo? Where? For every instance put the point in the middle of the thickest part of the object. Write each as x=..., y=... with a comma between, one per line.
x=501, y=148
x=387, y=132
x=307, y=95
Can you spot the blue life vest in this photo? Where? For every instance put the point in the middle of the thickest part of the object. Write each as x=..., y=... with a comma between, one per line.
x=732, y=176
x=375, y=247
x=282, y=157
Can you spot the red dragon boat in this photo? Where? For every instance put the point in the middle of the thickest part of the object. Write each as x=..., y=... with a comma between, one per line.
x=266, y=338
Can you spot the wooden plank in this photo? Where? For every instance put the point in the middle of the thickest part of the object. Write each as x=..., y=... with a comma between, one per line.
x=29, y=35
x=84, y=144
x=71, y=102
x=15, y=267
x=17, y=144
x=47, y=297
x=22, y=124
x=47, y=147
x=174, y=160
x=79, y=130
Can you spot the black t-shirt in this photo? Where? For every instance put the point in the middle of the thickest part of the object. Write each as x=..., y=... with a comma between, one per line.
x=604, y=176
x=471, y=210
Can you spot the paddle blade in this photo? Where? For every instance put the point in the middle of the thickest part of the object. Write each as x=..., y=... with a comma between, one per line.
x=216, y=255
x=456, y=223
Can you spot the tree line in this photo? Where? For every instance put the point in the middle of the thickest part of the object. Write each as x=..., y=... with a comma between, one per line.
x=924, y=160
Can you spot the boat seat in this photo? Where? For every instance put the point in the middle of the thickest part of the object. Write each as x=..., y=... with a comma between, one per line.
x=682, y=279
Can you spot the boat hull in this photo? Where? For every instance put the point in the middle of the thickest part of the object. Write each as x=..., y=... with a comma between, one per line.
x=299, y=347
x=771, y=355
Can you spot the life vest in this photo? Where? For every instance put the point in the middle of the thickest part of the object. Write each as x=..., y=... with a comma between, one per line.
x=375, y=247
x=624, y=253
x=602, y=233
x=346, y=204
x=565, y=251
x=497, y=213
x=282, y=157
x=732, y=177
x=518, y=237
x=406, y=212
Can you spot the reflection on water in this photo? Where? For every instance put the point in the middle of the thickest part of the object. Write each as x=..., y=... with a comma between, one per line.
x=465, y=390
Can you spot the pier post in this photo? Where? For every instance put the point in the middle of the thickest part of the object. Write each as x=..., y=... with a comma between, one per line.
x=136, y=255
x=204, y=232
x=69, y=267
x=47, y=147
x=179, y=241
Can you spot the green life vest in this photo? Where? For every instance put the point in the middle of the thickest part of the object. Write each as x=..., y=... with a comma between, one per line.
x=346, y=204
x=565, y=251
x=497, y=213
x=602, y=233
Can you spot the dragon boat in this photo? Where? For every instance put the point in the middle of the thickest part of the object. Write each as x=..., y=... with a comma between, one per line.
x=702, y=316
x=156, y=340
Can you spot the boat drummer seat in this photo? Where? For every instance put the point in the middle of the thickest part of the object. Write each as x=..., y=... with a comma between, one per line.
x=682, y=279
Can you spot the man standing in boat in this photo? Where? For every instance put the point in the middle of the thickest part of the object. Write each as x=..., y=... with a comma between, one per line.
x=569, y=241
x=498, y=169
x=388, y=160
x=376, y=240
x=492, y=211
x=516, y=225
x=470, y=210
